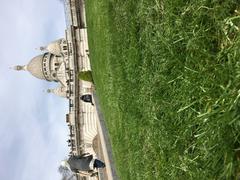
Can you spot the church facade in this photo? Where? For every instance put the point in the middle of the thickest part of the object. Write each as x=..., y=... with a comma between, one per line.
x=60, y=62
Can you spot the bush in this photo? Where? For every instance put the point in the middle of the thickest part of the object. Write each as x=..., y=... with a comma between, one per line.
x=86, y=76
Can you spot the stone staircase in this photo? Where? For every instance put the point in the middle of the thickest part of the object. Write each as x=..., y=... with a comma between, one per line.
x=89, y=118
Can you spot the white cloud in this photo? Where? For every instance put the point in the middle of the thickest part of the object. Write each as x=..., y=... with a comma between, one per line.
x=32, y=125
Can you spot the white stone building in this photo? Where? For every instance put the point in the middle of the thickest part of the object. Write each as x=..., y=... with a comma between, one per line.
x=61, y=62
x=52, y=65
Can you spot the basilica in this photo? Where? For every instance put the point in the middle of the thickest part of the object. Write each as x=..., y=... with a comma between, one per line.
x=52, y=65
x=61, y=61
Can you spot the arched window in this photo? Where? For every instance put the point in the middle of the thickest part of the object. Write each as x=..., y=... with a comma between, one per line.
x=64, y=48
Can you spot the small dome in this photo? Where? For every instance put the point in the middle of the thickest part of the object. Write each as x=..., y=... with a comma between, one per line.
x=60, y=91
x=35, y=67
x=55, y=47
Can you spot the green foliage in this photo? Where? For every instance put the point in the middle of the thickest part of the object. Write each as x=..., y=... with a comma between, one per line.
x=86, y=76
x=168, y=77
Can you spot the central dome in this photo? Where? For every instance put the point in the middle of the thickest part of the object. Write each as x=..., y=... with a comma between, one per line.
x=35, y=67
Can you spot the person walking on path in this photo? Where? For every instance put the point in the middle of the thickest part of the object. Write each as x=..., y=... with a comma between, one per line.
x=84, y=164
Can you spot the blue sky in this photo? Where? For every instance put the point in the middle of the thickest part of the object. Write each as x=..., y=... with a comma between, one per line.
x=32, y=123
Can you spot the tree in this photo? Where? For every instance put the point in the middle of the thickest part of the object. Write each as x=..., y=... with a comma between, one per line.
x=86, y=76
x=66, y=173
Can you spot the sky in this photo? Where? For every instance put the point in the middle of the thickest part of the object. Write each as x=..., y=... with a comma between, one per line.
x=33, y=131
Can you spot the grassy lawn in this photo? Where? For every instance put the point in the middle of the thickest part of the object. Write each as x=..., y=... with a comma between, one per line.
x=168, y=77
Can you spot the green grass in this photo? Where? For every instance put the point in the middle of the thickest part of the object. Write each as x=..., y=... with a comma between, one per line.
x=168, y=77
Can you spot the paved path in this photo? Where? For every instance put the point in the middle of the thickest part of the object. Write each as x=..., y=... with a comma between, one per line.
x=105, y=144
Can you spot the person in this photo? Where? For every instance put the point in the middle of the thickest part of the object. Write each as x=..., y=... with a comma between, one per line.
x=84, y=164
x=87, y=98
